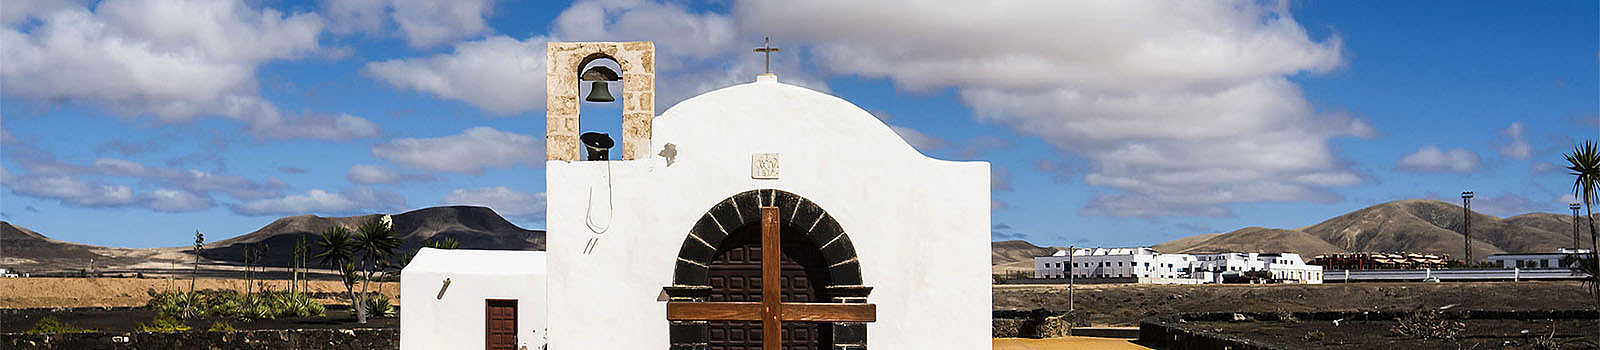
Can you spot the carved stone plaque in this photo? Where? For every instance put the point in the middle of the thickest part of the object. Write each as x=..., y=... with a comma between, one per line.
x=764, y=165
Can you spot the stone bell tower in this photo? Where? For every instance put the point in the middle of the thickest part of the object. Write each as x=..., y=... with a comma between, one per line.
x=563, y=65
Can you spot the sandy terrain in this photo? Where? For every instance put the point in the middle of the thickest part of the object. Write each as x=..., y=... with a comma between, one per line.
x=111, y=292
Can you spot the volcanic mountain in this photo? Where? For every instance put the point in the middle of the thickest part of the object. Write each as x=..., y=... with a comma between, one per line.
x=473, y=227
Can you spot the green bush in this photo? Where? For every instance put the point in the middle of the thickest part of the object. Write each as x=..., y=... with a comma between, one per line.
x=221, y=326
x=230, y=304
x=50, y=324
x=164, y=323
x=378, y=306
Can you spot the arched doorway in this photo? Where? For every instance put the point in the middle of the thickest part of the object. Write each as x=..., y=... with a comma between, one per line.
x=720, y=262
x=735, y=275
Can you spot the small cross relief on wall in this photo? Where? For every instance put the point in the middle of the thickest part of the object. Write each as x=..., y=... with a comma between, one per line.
x=764, y=166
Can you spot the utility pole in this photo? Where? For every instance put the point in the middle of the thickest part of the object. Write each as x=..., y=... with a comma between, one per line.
x=1574, y=206
x=1466, y=231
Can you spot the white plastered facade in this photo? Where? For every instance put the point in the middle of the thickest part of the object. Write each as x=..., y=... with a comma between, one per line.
x=919, y=225
x=439, y=316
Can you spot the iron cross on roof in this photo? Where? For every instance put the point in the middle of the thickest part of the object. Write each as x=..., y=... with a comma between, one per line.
x=772, y=311
x=767, y=50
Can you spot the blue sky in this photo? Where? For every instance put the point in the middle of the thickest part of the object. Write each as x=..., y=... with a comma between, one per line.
x=134, y=122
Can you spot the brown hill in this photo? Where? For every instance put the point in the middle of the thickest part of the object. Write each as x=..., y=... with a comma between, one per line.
x=1419, y=226
x=1251, y=239
x=473, y=227
x=1555, y=223
x=1434, y=227
x=1006, y=252
x=19, y=245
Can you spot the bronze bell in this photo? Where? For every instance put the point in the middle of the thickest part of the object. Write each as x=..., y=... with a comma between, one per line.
x=600, y=91
x=598, y=143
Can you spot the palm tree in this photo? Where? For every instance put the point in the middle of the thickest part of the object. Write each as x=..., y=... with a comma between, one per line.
x=375, y=240
x=1585, y=166
x=337, y=252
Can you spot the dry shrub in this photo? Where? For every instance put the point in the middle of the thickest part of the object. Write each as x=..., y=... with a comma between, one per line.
x=1428, y=325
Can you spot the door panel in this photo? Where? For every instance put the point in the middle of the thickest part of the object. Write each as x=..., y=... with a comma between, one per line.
x=735, y=276
x=501, y=324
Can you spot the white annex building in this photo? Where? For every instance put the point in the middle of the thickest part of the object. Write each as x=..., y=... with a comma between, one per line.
x=1146, y=265
x=661, y=245
x=463, y=298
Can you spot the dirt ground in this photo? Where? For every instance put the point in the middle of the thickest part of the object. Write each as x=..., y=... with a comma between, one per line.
x=1065, y=343
x=1125, y=304
x=114, y=292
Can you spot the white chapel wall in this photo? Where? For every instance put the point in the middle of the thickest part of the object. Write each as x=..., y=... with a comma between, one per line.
x=919, y=225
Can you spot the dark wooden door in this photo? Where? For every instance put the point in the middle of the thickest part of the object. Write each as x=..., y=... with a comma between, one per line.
x=501, y=319
x=735, y=275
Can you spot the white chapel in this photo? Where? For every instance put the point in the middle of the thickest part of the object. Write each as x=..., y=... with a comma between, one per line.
x=661, y=242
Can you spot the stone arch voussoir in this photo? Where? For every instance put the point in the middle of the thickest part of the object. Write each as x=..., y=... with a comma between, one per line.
x=797, y=213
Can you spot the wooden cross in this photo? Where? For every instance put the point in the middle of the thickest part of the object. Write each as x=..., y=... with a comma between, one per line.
x=767, y=49
x=771, y=311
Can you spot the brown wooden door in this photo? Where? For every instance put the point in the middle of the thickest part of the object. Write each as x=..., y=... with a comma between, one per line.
x=735, y=275
x=501, y=319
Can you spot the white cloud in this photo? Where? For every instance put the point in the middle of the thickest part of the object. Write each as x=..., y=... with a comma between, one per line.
x=191, y=180
x=373, y=174
x=174, y=60
x=428, y=22
x=503, y=200
x=18, y=10
x=1432, y=159
x=312, y=126
x=320, y=201
x=1168, y=100
x=1512, y=144
x=72, y=191
x=422, y=23
x=470, y=152
x=174, y=201
x=499, y=74
x=315, y=200
x=1546, y=168
x=352, y=16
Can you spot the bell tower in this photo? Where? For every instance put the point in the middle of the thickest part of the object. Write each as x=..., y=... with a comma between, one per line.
x=563, y=62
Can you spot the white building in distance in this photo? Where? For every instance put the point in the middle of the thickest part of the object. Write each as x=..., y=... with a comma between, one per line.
x=1536, y=260
x=1146, y=265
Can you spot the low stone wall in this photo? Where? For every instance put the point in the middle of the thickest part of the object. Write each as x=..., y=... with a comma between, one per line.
x=1173, y=332
x=312, y=339
x=1037, y=323
x=1066, y=281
